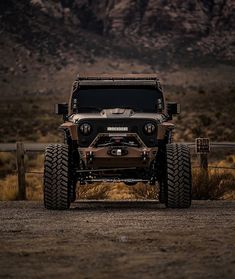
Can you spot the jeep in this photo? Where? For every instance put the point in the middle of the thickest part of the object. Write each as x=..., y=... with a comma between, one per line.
x=117, y=128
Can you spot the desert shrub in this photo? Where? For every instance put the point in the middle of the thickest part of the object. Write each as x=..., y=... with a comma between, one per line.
x=229, y=162
x=145, y=191
x=214, y=186
x=34, y=162
x=8, y=188
x=117, y=191
x=120, y=191
x=34, y=188
x=9, y=184
x=7, y=163
x=205, y=120
x=93, y=191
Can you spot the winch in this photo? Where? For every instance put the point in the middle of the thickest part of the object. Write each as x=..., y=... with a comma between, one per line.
x=117, y=151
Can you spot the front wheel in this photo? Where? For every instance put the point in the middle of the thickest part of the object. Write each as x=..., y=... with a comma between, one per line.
x=57, y=177
x=178, y=181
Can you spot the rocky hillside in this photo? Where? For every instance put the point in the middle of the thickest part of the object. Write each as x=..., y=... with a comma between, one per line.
x=177, y=31
x=204, y=27
x=45, y=43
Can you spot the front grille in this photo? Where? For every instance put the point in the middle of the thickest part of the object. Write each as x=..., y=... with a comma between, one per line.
x=99, y=126
x=105, y=140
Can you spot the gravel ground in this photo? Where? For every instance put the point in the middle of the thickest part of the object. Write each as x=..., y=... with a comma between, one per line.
x=117, y=240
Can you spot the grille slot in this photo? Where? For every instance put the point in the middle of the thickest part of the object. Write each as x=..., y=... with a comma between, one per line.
x=99, y=126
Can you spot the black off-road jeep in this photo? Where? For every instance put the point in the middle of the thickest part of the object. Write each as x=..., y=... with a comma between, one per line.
x=117, y=128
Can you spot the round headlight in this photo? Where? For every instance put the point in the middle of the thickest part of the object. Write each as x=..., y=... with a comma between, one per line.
x=85, y=128
x=149, y=128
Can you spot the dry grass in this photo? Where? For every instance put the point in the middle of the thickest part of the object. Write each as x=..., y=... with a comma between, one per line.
x=145, y=191
x=219, y=185
x=8, y=184
x=92, y=191
x=229, y=162
x=9, y=187
x=7, y=163
x=116, y=191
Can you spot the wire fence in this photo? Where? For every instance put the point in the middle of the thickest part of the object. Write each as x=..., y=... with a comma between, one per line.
x=21, y=149
x=215, y=167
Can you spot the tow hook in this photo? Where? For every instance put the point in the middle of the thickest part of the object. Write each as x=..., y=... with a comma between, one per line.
x=90, y=157
x=144, y=155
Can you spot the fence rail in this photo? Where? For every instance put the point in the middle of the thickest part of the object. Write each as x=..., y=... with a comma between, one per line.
x=28, y=147
x=40, y=147
x=21, y=148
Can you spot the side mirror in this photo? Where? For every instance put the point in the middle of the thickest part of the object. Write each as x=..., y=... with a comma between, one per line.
x=61, y=109
x=173, y=109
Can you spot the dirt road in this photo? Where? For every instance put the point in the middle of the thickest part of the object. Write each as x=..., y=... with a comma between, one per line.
x=117, y=240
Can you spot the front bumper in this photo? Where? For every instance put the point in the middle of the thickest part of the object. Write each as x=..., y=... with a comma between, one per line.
x=112, y=157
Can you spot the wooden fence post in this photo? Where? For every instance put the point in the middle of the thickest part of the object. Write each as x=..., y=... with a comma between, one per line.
x=202, y=146
x=20, y=152
x=203, y=161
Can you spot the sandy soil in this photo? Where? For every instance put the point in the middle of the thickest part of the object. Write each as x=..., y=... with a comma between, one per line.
x=117, y=240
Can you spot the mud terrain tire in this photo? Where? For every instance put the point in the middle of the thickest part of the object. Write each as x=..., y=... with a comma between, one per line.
x=178, y=176
x=57, y=177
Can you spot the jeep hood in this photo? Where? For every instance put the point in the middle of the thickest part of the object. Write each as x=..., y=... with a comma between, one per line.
x=117, y=113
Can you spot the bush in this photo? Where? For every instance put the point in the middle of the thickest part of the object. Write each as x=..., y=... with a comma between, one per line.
x=7, y=163
x=9, y=187
x=214, y=186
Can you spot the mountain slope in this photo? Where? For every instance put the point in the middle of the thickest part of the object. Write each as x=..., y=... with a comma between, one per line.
x=44, y=44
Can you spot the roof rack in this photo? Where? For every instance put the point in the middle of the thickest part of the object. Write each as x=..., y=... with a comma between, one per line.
x=142, y=80
x=118, y=77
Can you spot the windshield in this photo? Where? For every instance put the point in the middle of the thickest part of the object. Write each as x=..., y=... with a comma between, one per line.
x=133, y=98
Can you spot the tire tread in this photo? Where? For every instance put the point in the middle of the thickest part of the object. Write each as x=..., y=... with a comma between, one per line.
x=56, y=177
x=179, y=181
